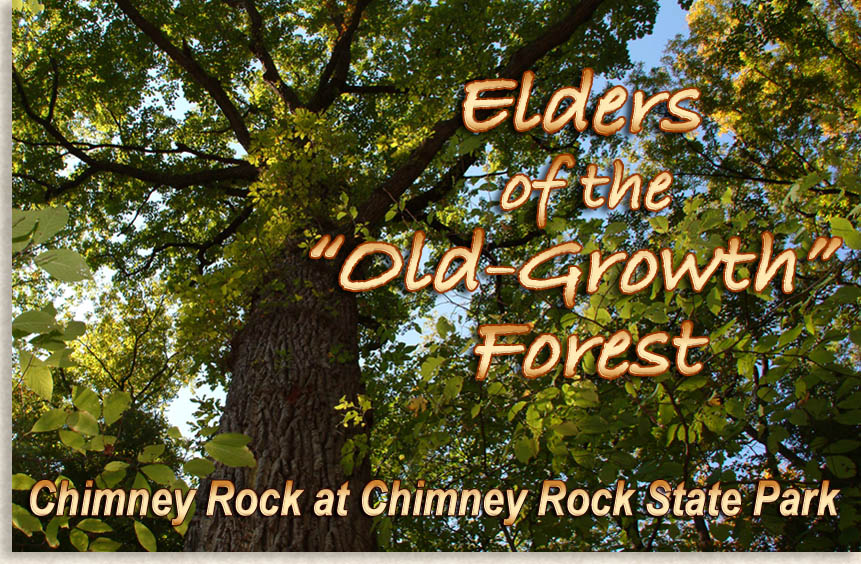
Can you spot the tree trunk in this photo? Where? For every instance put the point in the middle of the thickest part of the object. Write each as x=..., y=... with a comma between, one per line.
x=295, y=358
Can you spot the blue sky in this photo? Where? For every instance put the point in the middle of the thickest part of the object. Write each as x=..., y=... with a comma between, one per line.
x=649, y=50
x=671, y=22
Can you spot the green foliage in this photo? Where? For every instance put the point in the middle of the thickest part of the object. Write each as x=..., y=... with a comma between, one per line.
x=82, y=417
x=230, y=449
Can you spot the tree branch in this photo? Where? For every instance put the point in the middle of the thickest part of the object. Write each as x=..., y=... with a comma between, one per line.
x=245, y=171
x=202, y=248
x=184, y=58
x=270, y=70
x=445, y=186
x=334, y=76
x=52, y=191
x=180, y=148
x=374, y=208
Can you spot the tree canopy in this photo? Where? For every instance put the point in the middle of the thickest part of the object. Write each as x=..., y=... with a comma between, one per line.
x=201, y=150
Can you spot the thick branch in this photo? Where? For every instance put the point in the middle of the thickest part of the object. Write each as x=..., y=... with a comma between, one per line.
x=270, y=71
x=183, y=57
x=245, y=171
x=334, y=76
x=442, y=188
x=51, y=190
x=374, y=209
x=180, y=148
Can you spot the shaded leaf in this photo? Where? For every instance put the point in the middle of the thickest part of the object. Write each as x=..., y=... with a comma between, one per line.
x=145, y=537
x=92, y=525
x=103, y=544
x=22, y=482
x=115, y=405
x=65, y=265
x=51, y=421
x=200, y=467
x=24, y=521
x=159, y=473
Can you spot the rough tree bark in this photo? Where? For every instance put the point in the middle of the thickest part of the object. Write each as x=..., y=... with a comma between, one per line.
x=288, y=373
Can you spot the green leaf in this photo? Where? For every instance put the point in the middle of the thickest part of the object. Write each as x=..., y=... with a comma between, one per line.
x=470, y=144
x=116, y=465
x=97, y=443
x=145, y=537
x=660, y=223
x=92, y=525
x=159, y=473
x=174, y=433
x=61, y=359
x=713, y=300
x=151, y=453
x=79, y=540
x=103, y=544
x=452, y=387
x=430, y=366
x=83, y=422
x=841, y=227
x=566, y=428
x=657, y=313
x=22, y=482
x=692, y=383
x=444, y=327
x=841, y=466
x=24, y=521
x=200, y=467
x=608, y=473
x=23, y=222
x=230, y=450
x=65, y=265
x=51, y=421
x=73, y=330
x=593, y=424
x=20, y=244
x=585, y=398
x=805, y=183
x=515, y=409
x=72, y=439
x=615, y=227
x=524, y=449
x=838, y=447
x=141, y=483
x=789, y=336
x=51, y=220
x=38, y=378
x=53, y=528
x=384, y=532
x=232, y=439
x=87, y=400
x=34, y=322
x=110, y=479
x=115, y=405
